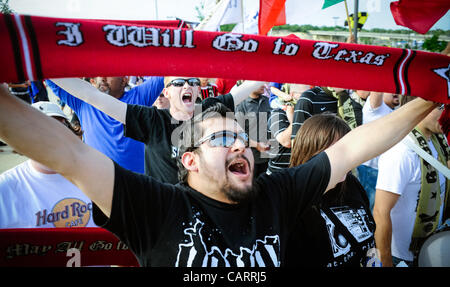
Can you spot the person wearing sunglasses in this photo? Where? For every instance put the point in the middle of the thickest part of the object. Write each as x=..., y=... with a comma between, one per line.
x=218, y=214
x=103, y=132
x=157, y=128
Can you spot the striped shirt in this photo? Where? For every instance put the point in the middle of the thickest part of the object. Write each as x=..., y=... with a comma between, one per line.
x=279, y=155
x=313, y=101
x=209, y=91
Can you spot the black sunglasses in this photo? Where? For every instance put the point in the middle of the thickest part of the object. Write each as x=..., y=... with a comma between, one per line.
x=179, y=82
x=225, y=139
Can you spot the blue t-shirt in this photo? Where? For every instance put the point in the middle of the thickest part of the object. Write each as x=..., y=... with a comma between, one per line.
x=105, y=133
x=272, y=95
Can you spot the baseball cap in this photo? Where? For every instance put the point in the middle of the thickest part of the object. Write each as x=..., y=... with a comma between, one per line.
x=50, y=109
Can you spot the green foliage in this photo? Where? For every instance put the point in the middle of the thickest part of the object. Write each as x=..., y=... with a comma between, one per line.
x=305, y=28
x=199, y=9
x=433, y=44
x=4, y=7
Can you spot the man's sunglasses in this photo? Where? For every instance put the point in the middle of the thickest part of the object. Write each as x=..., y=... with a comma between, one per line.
x=224, y=139
x=179, y=82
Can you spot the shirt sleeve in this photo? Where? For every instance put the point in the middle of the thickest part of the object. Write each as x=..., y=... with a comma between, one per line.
x=272, y=95
x=278, y=122
x=140, y=206
x=150, y=90
x=302, y=111
x=73, y=102
x=299, y=187
x=141, y=123
x=220, y=86
x=396, y=168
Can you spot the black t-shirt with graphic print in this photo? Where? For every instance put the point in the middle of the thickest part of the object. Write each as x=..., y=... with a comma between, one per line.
x=174, y=225
x=154, y=128
x=339, y=230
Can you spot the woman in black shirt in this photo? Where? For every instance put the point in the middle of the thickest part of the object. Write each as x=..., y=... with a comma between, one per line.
x=340, y=227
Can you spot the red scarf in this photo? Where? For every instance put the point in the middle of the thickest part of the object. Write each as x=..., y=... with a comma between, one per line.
x=40, y=47
x=47, y=247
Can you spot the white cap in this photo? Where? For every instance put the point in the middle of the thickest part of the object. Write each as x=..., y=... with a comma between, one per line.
x=50, y=109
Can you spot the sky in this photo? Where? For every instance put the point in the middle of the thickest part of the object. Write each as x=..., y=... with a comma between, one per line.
x=378, y=10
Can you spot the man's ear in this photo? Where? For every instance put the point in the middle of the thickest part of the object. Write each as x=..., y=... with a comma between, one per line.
x=189, y=161
x=166, y=93
x=124, y=81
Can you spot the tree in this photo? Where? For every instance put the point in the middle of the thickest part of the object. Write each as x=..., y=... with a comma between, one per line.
x=433, y=44
x=4, y=7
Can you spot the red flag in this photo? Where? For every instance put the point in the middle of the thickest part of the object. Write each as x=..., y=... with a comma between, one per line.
x=271, y=13
x=419, y=15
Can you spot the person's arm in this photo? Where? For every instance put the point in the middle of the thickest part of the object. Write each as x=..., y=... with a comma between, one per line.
x=149, y=91
x=384, y=202
x=280, y=126
x=370, y=140
x=285, y=97
x=19, y=85
x=89, y=94
x=260, y=146
x=47, y=141
x=242, y=91
x=375, y=99
x=284, y=138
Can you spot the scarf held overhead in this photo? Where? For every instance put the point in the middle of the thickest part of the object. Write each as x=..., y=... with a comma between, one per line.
x=40, y=47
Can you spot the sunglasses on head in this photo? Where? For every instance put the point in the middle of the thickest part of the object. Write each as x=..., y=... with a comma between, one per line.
x=225, y=139
x=179, y=82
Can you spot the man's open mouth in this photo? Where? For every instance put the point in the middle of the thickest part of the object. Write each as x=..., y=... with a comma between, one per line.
x=187, y=98
x=239, y=167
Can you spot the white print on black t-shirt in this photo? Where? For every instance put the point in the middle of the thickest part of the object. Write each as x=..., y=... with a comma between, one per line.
x=355, y=220
x=263, y=253
x=174, y=152
x=339, y=244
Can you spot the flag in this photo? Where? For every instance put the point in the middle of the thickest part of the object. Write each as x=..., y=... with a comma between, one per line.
x=419, y=15
x=362, y=18
x=328, y=3
x=282, y=12
x=233, y=13
x=225, y=12
x=250, y=24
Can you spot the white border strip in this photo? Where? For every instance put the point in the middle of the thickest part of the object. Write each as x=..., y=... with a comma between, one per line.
x=400, y=73
x=25, y=48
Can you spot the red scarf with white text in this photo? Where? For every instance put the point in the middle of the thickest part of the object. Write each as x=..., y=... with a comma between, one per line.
x=40, y=47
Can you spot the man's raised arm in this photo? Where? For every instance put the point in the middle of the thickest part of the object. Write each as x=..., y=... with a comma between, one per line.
x=89, y=94
x=47, y=141
x=374, y=138
x=242, y=91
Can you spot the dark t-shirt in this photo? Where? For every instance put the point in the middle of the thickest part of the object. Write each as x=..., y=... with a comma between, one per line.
x=174, y=225
x=155, y=128
x=340, y=230
x=312, y=102
x=279, y=155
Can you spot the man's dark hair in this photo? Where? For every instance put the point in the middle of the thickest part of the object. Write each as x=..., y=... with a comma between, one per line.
x=192, y=132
